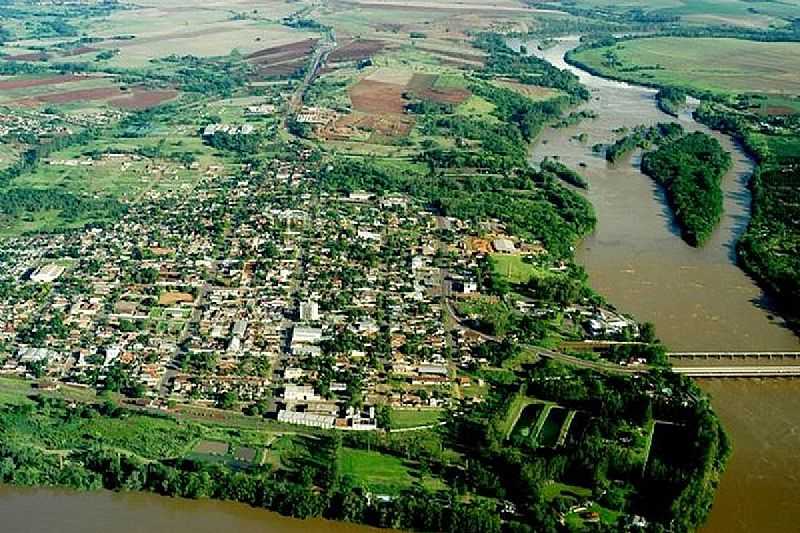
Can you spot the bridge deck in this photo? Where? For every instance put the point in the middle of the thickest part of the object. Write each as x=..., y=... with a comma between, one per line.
x=739, y=371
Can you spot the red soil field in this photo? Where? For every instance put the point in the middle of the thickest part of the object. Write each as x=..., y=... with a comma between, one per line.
x=356, y=50
x=134, y=98
x=377, y=97
x=143, y=99
x=282, y=60
x=8, y=85
x=282, y=69
x=38, y=56
x=73, y=96
x=80, y=51
x=297, y=49
x=422, y=86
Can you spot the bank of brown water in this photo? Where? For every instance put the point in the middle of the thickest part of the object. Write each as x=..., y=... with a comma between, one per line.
x=46, y=510
x=758, y=491
x=698, y=298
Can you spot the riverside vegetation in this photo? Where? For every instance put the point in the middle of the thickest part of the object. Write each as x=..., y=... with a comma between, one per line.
x=760, y=109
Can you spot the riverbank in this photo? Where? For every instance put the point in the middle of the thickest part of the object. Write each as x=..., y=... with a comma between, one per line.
x=696, y=297
x=27, y=509
x=766, y=250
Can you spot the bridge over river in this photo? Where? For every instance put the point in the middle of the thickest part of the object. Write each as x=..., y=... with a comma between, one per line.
x=733, y=356
x=739, y=371
x=699, y=364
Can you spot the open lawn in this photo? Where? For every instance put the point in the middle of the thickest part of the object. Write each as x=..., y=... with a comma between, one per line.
x=408, y=418
x=705, y=64
x=382, y=473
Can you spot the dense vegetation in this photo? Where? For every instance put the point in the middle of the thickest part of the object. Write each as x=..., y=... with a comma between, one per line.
x=677, y=488
x=51, y=441
x=641, y=137
x=503, y=61
x=564, y=173
x=690, y=169
x=532, y=205
x=670, y=100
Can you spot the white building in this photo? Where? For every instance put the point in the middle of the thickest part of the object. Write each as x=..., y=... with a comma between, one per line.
x=47, y=273
x=306, y=335
x=309, y=311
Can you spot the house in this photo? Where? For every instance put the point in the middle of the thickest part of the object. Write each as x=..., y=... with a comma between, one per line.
x=306, y=419
x=309, y=311
x=504, y=246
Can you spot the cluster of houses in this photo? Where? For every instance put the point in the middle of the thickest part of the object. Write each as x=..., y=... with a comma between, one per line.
x=231, y=129
x=319, y=306
x=258, y=289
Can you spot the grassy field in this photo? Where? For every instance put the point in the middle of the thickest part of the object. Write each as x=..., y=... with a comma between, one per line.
x=742, y=13
x=409, y=418
x=514, y=268
x=382, y=473
x=705, y=64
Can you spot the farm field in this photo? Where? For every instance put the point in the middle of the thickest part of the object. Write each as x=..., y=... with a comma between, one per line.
x=741, y=13
x=705, y=64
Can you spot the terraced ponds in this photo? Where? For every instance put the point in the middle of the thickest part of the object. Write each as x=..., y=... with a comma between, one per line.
x=543, y=424
x=551, y=429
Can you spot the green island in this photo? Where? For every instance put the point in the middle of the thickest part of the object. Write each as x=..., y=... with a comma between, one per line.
x=756, y=104
x=690, y=169
x=296, y=255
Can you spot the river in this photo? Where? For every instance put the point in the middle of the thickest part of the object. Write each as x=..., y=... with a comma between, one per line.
x=46, y=510
x=697, y=297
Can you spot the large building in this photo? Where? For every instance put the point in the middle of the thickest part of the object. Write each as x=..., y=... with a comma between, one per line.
x=47, y=273
x=309, y=311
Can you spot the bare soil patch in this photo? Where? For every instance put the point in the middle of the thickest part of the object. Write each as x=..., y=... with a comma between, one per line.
x=7, y=85
x=36, y=56
x=298, y=49
x=171, y=298
x=134, y=98
x=377, y=97
x=381, y=125
x=356, y=50
x=73, y=96
x=81, y=50
x=282, y=69
x=423, y=87
x=143, y=99
x=779, y=110
x=450, y=54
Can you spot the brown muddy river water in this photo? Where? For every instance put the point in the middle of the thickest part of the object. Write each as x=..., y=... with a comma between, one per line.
x=698, y=299
x=26, y=510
